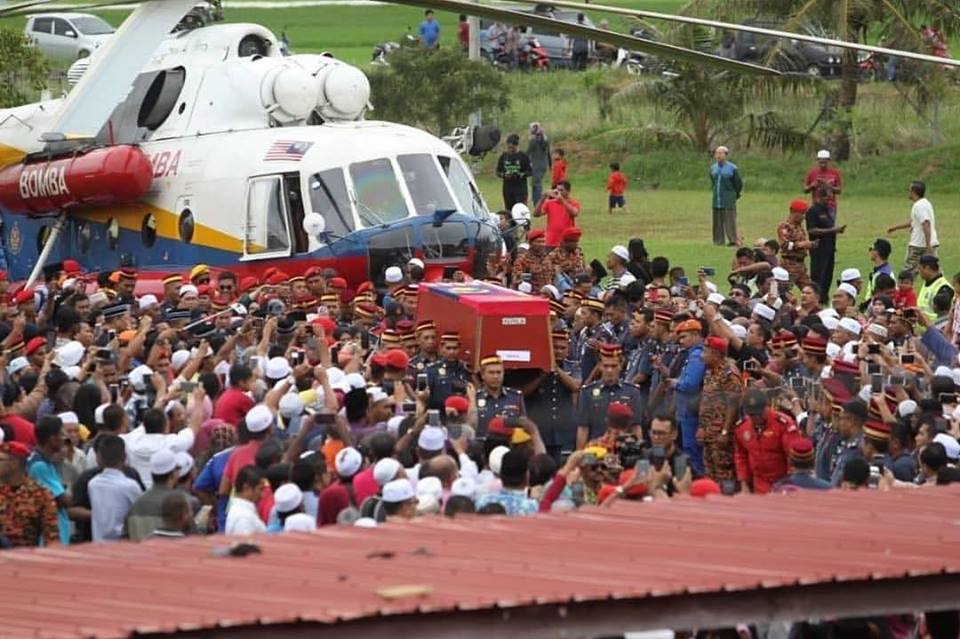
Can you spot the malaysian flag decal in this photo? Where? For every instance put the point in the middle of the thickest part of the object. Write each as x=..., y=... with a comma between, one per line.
x=287, y=151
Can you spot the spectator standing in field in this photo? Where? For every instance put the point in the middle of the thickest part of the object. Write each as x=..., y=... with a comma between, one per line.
x=538, y=150
x=513, y=167
x=824, y=175
x=561, y=211
x=429, y=31
x=726, y=186
x=463, y=33
x=922, y=225
x=581, y=48
x=616, y=187
x=558, y=172
x=822, y=226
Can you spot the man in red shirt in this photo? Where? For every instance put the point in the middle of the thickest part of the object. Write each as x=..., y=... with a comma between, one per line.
x=616, y=187
x=257, y=422
x=561, y=211
x=463, y=33
x=761, y=444
x=824, y=175
x=235, y=402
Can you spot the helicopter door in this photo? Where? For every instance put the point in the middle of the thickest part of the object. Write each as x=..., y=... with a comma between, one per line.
x=267, y=226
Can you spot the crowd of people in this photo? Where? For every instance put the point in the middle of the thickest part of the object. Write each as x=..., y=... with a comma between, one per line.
x=240, y=404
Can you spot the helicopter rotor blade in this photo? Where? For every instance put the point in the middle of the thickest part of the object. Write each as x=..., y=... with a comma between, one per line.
x=653, y=15
x=114, y=68
x=659, y=49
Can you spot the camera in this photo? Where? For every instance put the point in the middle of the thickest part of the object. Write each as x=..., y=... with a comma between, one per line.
x=629, y=449
x=511, y=417
x=709, y=271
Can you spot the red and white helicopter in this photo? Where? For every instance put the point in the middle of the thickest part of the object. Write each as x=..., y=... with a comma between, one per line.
x=210, y=146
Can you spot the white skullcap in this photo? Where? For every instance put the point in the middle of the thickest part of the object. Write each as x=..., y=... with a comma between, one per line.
x=849, y=289
x=907, y=407
x=716, y=298
x=258, y=419
x=950, y=445
x=355, y=380
x=290, y=406
x=739, y=331
x=72, y=372
x=366, y=522
x=523, y=246
x=146, y=302
x=136, y=377
x=393, y=424
x=621, y=251
x=393, y=275
x=850, y=325
x=17, y=364
x=878, y=330
x=188, y=289
x=764, y=311
x=277, y=368
x=943, y=371
x=723, y=149
x=416, y=261
x=427, y=505
x=348, y=462
x=833, y=350
x=69, y=417
x=780, y=274
x=432, y=438
x=398, y=491
x=179, y=359
x=525, y=287
x=299, y=522
x=69, y=354
x=496, y=458
x=287, y=498
x=98, y=413
x=376, y=395
x=552, y=291
x=850, y=275
x=184, y=463
x=162, y=462
x=464, y=487
x=385, y=470
x=430, y=486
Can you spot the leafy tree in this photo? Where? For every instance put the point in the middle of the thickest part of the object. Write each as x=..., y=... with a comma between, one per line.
x=23, y=68
x=435, y=89
x=896, y=22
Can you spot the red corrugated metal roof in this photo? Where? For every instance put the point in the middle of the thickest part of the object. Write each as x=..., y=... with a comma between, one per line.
x=631, y=551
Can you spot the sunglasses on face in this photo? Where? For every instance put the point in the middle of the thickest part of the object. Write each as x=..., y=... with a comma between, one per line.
x=203, y=280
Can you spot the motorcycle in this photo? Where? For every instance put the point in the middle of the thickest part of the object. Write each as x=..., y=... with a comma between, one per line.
x=384, y=49
x=534, y=56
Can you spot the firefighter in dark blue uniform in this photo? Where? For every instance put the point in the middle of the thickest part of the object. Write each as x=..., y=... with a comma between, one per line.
x=595, y=397
x=448, y=373
x=551, y=400
x=589, y=337
x=492, y=397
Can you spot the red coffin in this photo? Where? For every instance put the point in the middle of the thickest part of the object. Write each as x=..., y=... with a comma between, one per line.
x=491, y=320
x=101, y=177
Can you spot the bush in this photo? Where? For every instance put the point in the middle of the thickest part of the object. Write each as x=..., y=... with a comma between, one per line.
x=23, y=69
x=436, y=89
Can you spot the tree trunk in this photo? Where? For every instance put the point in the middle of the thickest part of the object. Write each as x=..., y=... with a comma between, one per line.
x=848, y=100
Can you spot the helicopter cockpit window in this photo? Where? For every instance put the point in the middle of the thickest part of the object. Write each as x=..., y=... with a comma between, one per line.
x=328, y=197
x=266, y=231
x=463, y=188
x=426, y=187
x=379, y=199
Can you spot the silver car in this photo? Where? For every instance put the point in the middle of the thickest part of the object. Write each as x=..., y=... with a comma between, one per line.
x=68, y=35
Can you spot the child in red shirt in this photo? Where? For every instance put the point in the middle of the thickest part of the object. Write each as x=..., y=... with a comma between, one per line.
x=905, y=296
x=559, y=170
x=616, y=187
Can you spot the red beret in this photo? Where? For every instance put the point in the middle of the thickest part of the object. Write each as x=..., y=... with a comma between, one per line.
x=801, y=450
x=3, y=276
x=784, y=339
x=71, y=267
x=35, y=344
x=328, y=324
x=458, y=403
x=379, y=358
x=337, y=282
x=398, y=359
x=498, y=428
x=313, y=271
x=248, y=283
x=619, y=409
x=571, y=234
x=276, y=278
x=17, y=449
x=639, y=490
x=364, y=287
x=799, y=206
x=23, y=296
x=535, y=234
x=716, y=343
x=703, y=487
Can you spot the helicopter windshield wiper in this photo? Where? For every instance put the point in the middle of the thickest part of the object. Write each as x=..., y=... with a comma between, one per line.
x=368, y=214
x=319, y=183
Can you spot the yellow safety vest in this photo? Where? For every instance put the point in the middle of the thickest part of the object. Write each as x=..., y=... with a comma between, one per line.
x=927, y=293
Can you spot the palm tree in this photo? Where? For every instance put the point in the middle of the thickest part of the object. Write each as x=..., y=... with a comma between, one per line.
x=897, y=22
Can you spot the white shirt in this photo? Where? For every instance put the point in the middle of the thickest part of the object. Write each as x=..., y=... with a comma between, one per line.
x=111, y=495
x=141, y=445
x=242, y=518
x=921, y=212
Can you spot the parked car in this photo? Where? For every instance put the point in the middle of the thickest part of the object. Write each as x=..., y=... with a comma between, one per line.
x=68, y=35
x=793, y=56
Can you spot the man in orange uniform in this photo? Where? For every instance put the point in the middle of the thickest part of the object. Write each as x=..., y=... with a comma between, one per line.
x=762, y=442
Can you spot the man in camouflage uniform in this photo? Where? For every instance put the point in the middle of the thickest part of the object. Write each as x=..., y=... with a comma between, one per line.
x=533, y=263
x=567, y=260
x=794, y=244
x=719, y=404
